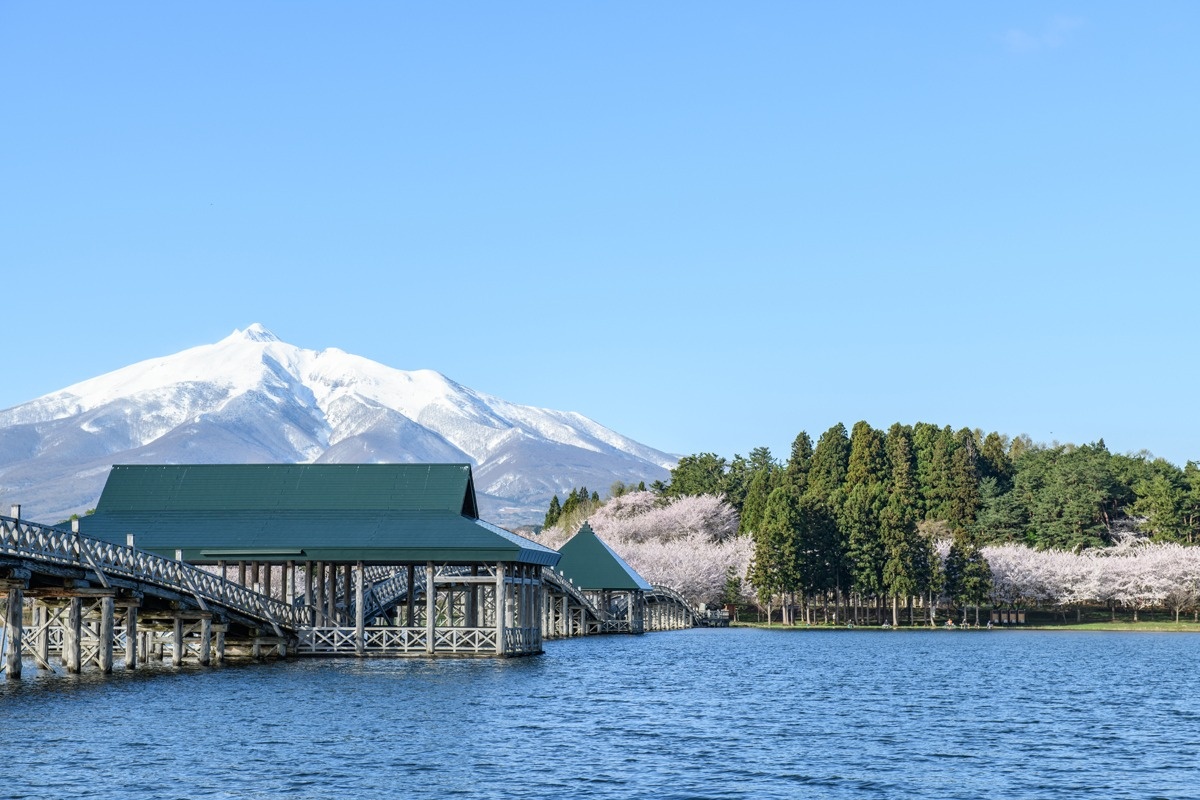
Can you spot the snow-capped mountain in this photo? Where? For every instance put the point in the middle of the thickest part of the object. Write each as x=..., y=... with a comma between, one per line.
x=251, y=398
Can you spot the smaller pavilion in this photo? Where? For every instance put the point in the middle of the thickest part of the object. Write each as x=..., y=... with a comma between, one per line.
x=614, y=587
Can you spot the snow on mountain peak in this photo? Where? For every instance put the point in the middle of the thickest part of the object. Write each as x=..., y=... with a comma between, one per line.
x=254, y=333
x=251, y=396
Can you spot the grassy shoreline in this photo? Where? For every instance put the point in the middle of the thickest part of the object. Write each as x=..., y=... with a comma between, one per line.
x=1118, y=627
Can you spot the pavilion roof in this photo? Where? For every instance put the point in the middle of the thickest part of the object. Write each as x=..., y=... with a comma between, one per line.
x=376, y=513
x=592, y=565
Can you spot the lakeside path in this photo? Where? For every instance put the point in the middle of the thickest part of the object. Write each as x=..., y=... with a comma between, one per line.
x=1116, y=627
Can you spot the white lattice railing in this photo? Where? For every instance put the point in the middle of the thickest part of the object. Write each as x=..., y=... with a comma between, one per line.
x=521, y=640
x=61, y=547
x=392, y=640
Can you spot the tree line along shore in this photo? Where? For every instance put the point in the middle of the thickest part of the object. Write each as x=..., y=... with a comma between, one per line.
x=912, y=526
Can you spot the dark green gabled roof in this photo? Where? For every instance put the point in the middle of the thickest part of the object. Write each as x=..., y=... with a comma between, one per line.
x=290, y=487
x=592, y=565
x=376, y=513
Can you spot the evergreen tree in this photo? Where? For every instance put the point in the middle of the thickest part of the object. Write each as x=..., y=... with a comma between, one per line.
x=830, y=461
x=775, y=569
x=737, y=482
x=1000, y=519
x=824, y=497
x=994, y=462
x=968, y=576
x=866, y=495
x=963, y=500
x=762, y=483
x=552, y=513
x=697, y=474
x=1162, y=503
x=938, y=483
x=902, y=567
x=924, y=442
x=571, y=503
x=800, y=461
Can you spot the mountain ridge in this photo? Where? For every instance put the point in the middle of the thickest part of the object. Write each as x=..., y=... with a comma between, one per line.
x=252, y=398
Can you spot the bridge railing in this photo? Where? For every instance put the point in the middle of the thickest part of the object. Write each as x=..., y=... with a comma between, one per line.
x=61, y=547
x=660, y=593
x=560, y=582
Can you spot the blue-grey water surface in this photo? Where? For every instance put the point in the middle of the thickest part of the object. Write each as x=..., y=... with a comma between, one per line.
x=693, y=714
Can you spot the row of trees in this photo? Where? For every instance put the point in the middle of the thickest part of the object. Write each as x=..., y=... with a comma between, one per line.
x=1004, y=490
x=1134, y=574
x=693, y=544
x=863, y=513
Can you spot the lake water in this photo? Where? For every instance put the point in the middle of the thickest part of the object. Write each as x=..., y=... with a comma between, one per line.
x=690, y=714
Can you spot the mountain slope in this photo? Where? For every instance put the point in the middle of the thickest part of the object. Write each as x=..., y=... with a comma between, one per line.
x=251, y=398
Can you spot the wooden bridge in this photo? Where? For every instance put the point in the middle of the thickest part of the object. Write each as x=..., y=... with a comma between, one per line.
x=83, y=599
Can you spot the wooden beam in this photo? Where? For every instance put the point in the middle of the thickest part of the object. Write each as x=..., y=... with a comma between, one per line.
x=177, y=643
x=205, y=641
x=72, y=650
x=14, y=632
x=105, y=654
x=131, y=636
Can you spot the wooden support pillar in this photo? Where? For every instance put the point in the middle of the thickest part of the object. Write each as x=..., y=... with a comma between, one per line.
x=71, y=650
x=308, y=593
x=221, y=645
x=289, y=583
x=268, y=568
x=104, y=653
x=177, y=643
x=241, y=573
x=319, y=595
x=331, y=596
x=499, y=608
x=360, y=612
x=411, y=601
x=131, y=637
x=346, y=584
x=430, y=610
x=14, y=632
x=41, y=642
x=472, y=620
x=205, y=641
x=255, y=576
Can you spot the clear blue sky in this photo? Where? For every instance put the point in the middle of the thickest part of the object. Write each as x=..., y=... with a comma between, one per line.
x=705, y=225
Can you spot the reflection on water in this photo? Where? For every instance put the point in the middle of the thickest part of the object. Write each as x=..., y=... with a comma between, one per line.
x=692, y=714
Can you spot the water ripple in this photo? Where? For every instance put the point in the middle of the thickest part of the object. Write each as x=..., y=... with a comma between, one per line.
x=692, y=714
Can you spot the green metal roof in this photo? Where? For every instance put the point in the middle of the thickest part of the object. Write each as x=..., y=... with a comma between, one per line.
x=592, y=565
x=376, y=513
x=290, y=487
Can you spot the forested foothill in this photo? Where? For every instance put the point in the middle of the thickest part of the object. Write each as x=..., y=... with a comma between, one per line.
x=912, y=526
